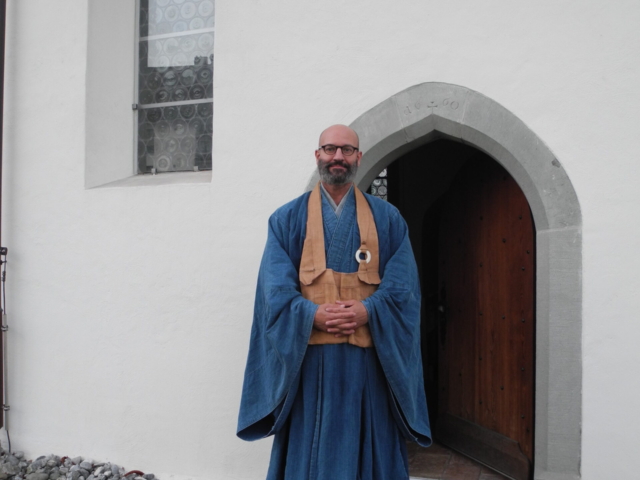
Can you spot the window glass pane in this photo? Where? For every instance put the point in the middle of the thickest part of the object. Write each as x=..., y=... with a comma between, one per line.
x=175, y=85
x=160, y=17
x=175, y=138
x=176, y=69
x=379, y=185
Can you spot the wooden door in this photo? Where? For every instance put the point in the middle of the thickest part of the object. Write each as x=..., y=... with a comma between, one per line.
x=486, y=336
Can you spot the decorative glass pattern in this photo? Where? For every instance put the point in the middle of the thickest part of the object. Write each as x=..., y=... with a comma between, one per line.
x=175, y=85
x=378, y=187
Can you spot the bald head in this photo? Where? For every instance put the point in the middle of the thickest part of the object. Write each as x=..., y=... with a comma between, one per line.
x=335, y=167
x=339, y=135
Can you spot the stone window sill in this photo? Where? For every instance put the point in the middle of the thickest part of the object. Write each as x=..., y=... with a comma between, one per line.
x=172, y=178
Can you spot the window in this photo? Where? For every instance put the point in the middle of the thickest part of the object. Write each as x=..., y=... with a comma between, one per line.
x=175, y=85
x=378, y=187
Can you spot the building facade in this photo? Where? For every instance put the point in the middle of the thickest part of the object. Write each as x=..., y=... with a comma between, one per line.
x=129, y=294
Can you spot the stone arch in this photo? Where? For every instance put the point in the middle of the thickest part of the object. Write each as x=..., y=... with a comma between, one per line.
x=425, y=112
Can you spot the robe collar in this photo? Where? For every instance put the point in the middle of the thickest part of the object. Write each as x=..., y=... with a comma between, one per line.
x=337, y=209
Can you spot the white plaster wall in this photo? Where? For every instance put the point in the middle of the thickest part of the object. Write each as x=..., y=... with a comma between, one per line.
x=130, y=307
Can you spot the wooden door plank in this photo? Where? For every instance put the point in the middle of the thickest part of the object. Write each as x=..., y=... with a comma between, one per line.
x=486, y=282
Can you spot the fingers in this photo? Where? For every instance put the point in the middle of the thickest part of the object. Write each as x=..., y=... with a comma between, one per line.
x=346, y=303
x=340, y=321
x=333, y=313
x=337, y=318
x=340, y=310
x=342, y=328
x=334, y=319
x=336, y=315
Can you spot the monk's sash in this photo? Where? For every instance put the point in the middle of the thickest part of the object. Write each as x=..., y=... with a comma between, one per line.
x=323, y=285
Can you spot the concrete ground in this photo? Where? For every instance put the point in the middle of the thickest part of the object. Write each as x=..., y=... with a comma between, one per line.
x=439, y=463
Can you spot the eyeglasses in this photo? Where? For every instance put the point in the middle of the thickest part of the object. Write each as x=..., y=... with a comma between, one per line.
x=332, y=149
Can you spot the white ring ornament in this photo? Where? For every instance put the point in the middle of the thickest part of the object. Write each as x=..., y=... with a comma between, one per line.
x=360, y=260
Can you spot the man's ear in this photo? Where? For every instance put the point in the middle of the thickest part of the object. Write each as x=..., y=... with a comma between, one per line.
x=317, y=154
x=359, y=157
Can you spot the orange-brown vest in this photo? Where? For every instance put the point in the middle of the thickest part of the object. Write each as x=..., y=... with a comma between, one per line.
x=322, y=285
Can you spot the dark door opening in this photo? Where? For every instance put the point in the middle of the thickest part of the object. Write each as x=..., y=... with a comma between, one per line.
x=473, y=236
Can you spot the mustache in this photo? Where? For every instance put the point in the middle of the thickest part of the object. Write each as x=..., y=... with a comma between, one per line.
x=338, y=163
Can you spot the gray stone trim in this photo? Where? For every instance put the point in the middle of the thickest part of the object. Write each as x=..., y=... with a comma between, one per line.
x=434, y=110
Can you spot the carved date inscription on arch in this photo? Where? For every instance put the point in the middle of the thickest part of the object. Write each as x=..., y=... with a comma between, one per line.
x=450, y=103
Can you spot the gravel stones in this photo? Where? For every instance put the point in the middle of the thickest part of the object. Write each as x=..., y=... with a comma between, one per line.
x=7, y=470
x=13, y=466
x=38, y=476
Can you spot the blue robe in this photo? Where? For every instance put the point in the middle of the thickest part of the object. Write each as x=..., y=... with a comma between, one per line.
x=282, y=370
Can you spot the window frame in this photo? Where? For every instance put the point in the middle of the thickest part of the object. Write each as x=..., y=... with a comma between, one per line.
x=109, y=122
x=138, y=107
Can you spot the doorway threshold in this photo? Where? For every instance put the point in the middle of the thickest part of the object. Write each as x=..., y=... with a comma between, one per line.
x=440, y=463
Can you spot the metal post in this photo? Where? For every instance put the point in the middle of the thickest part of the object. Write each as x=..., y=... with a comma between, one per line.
x=3, y=251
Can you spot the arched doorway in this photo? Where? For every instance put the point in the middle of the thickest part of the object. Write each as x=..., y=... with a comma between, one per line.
x=430, y=111
x=473, y=236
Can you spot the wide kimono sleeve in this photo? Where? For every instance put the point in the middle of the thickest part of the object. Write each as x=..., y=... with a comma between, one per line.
x=282, y=323
x=394, y=322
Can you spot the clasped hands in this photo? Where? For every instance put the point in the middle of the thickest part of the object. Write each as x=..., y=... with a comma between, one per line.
x=340, y=318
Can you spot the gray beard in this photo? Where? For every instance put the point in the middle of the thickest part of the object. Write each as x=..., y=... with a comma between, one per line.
x=337, y=178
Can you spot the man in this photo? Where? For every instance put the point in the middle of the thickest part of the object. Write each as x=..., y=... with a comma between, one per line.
x=334, y=367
